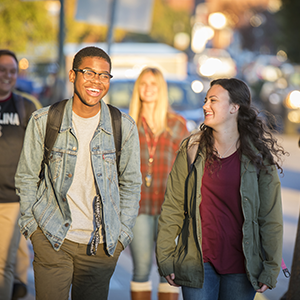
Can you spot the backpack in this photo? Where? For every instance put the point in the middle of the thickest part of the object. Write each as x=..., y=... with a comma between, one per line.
x=54, y=120
x=191, y=153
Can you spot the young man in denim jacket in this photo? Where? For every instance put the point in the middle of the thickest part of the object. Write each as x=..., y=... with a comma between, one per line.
x=79, y=217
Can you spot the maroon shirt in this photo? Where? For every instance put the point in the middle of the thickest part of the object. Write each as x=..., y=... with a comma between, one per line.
x=222, y=217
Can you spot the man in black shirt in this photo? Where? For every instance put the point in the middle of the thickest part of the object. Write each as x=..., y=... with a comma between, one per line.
x=15, y=112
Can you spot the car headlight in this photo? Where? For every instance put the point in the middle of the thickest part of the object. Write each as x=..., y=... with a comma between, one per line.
x=293, y=100
x=294, y=116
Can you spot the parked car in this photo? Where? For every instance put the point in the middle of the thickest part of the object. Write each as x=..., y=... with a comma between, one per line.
x=186, y=97
x=275, y=85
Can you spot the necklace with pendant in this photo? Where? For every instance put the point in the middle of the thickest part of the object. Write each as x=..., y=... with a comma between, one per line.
x=222, y=156
x=151, y=151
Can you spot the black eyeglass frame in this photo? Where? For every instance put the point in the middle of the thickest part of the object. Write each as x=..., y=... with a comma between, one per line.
x=83, y=71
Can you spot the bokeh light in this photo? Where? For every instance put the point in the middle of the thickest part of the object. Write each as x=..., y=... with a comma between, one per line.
x=197, y=86
x=293, y=100
x=217, y=20
x=23, y=64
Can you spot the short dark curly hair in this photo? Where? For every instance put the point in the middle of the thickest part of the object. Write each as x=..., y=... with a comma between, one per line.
x=10, y=53
x=90, y=51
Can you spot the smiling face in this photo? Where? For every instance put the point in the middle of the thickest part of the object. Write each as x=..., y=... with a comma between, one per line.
x=218, y=110
x=88, y=93
x=148, y=88
x=8, y=75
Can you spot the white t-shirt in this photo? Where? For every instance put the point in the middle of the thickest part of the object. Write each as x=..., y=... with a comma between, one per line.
x=83, y=189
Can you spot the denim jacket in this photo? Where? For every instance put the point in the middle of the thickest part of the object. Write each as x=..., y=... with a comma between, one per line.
x=46, y=205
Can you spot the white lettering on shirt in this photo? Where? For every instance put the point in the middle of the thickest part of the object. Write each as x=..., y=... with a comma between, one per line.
x=9, y=118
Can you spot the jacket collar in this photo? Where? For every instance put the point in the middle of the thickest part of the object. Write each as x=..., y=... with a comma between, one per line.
x=105, y=119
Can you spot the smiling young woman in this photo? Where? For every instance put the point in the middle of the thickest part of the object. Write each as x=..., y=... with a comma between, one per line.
x=160, y=133
x=227, y=218
x=221, y=115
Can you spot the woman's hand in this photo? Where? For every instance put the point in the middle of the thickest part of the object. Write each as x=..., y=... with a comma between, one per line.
x=263, y=288
x=170, y=278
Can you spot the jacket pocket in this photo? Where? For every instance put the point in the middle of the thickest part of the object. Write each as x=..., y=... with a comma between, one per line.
x=110, y=166
x=55, y=162
x=187, y=258
x=45, y=206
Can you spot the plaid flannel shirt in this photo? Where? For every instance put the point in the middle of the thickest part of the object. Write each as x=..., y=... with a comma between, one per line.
x=168, y=143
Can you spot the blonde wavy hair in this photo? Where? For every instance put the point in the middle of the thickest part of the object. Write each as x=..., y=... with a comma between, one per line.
x=162, y=104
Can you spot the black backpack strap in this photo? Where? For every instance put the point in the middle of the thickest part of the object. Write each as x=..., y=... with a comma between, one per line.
x=54, y=119
x=55, y=116
x=117, y=131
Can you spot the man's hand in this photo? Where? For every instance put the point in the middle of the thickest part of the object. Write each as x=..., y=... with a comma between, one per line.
x=170, y=278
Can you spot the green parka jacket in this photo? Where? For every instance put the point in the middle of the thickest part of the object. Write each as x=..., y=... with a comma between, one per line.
x=262, y=228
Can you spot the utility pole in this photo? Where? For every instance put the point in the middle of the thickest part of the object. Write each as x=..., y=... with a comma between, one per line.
x=111, y=23
x=61, y=42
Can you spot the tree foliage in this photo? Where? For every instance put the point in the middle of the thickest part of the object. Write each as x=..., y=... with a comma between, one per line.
x=289, y=24
x=29, y=23
x=81, y=32
x=166, y=22
x=24, y=22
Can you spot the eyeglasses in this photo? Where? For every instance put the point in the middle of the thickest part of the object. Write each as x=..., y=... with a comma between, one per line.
x=90, y=75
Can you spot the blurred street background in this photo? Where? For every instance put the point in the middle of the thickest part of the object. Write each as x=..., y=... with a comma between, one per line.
x=192, y=42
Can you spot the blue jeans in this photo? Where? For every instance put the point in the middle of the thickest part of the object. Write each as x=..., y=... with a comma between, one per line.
x=142, y=247
x=220, y=287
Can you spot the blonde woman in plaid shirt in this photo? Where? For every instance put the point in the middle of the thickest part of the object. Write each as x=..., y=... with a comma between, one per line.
x=160, y=134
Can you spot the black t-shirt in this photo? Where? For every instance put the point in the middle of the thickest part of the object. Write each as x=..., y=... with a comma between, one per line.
x=11, y=141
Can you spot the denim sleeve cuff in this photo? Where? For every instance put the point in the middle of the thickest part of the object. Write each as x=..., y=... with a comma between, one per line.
x=125, y=239
x=29, y=228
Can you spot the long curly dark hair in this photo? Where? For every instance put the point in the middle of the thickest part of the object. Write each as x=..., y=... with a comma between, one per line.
x=252, y=129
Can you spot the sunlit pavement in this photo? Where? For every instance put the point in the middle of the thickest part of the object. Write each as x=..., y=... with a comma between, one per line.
x=120, y=282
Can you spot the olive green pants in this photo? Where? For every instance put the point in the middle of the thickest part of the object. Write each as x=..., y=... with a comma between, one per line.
x=55, y=272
